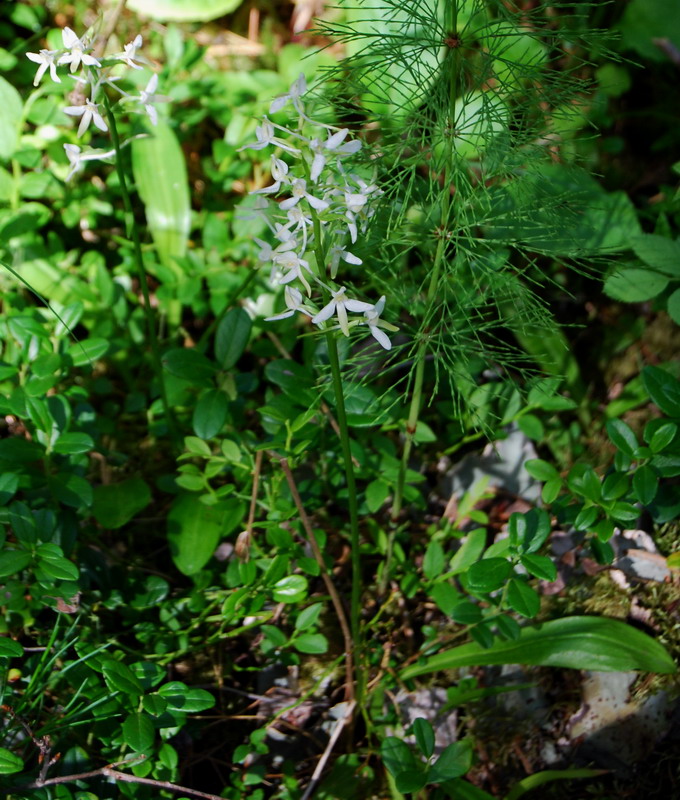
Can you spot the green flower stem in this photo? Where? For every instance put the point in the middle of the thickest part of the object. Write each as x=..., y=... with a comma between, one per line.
x=133, y=234
x=336, y=374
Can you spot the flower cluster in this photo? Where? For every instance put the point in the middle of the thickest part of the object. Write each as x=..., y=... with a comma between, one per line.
x=90, y=80
x=319, y=212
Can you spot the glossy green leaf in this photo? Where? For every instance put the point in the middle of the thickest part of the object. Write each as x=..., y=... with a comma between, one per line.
x=194, y=530
x=622, y=436
x=210, y=413
x=58, y=569
x=661, y=436
x=290, y=589
x=663, y=388
x=87, y=351
x=469, y=552
x=433, y=561
x=120, y=678
x=397, y=755
x=454, y=761
x=541, y=470
x=488, y=574
x=73, y=443
x=231, y=337
x=522, y=598
x=540, y=566
x=645, y=484
x=308, y=616
x=311, y=643
x=190, y=365
x=9, y=648
x=9, y=763
x=115, y=504
x=377, y=492
x=635, y=284
x=13, y=561
x=184, y=10
x=187, y=699
x=594, y=643
x=673, y=306
x=658, y=252
x=161, y=177
x=410, y=780
x=138, y=731
x=424, y=733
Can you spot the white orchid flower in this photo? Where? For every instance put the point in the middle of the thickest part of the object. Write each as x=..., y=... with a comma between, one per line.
x=129, y=53
x=265, y=135
x=47, y=60
x=338, y=252
x=296, y=91
x=375, y=324
x=76, y=158
x=279, y=170
x=293, y=300
x=293, y=266
x=299, y=189
x=148, y=96
x=76, y=54
x=88, y=113
x=340, y=305
x=334, y=144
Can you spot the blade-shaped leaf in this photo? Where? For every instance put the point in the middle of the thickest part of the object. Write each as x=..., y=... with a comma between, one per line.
x=594, y=643
x=161, y=177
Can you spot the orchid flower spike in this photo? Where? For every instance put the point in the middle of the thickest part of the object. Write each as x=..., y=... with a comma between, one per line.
x=129, y=54
x=296, y=91
x=88, y=113
x=293, y=299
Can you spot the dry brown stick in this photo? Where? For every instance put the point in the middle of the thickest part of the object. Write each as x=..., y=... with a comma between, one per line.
x=109, y=772
x=330, y=586
x=337, y=730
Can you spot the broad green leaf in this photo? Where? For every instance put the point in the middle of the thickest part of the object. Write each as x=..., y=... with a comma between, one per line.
x=184, y=10
x=120, y=678
x=424, y=733
x=115, y=504
x=210, y=413
x=73, y=443
x=295, y=380
x=9, y=763
x=58, y=569
x=540, y=566
x=188, y=699
x=410, y=780
x=488, y=574
x=635, y=284
x=312, y=643
x=645, y=484
x=397, y=755
x=10, y=119
x=290, y=589
x=663, y=388
x=479, y=117
x=232, y=336
x=454, y=761
x=71, y=489
x=673, y=306
x=433, y=562
x=644, y=21
x=541, y=470
x=87, y=351
x=13, y=561
x=522, y=598
x=471, y=549
x=466, y=613
x=662, y=436
x=138, y=732
x=377, y=492
x=594, y=643
x=658, y=252
x=161, y=177
x=194, y=529
x=190, y=365
x=308, y=616
x=9, y=648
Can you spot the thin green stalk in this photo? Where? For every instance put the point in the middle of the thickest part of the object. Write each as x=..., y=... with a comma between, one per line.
x=336, y=374
x=133, y=234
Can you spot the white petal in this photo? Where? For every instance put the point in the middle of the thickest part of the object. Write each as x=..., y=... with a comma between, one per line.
x=334, y=141
x=90, y=61
x=350, y=258
x=74, y=111
x=381, y=337
x=289, y=203
x=314, y=202
x=318, y=164
x=278, y=103
x=342, y=318
x=357, y=305
x=283, y=315
x=152, y=85
x=325, y=313
x=69, y=38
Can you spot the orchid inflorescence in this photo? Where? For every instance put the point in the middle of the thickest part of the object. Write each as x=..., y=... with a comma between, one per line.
x=324, y=206
x=76, y=52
